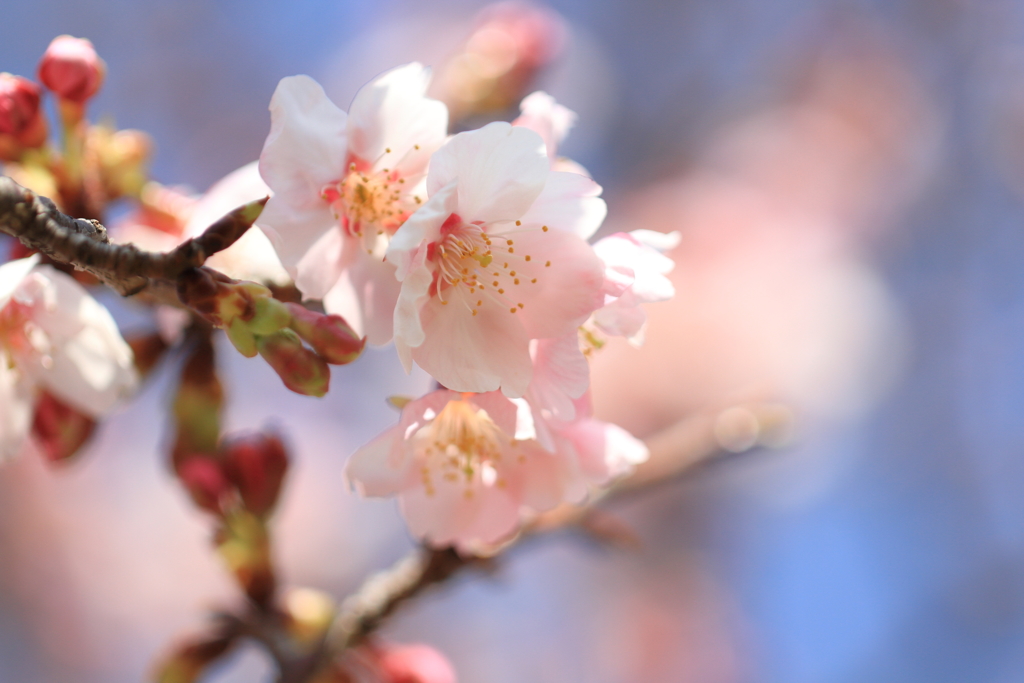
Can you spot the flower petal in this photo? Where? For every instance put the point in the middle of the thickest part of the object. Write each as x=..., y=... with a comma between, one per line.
x=566, y=292
x=16, y=416
x=560, y=374
x=91, y=364
x=569, y=202
x=393, y=112
x=543, y=115
x=372, y=471
x=477, y=353
x=501, y=170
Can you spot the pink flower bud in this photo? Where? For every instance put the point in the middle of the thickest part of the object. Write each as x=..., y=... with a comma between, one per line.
x=256, y=465
x=329, y=335
x=205, y=482
x=71, y=68
x=415, y=664
x=301, y=370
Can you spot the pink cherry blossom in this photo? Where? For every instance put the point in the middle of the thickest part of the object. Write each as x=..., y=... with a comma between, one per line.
x=496, y=257
x=543, y=115
x=461, y=472
x=343, y=184
x=635, y=271
x=55, y=337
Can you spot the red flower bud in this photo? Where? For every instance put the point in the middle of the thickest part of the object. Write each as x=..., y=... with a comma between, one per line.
x=414, y=664
x=21, y=118
x=301, y=370
x=71, y=68
x=256, y=465
x=329, y=335
x=205, y=482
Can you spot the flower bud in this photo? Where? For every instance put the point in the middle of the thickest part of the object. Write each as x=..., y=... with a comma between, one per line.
x=244, y=544
x=301, y=370
x=71, y=68
x=22, y=124
x=205, y=482
x=414, y=664
x=329, y=335
x=58, y=429
x=256, y=465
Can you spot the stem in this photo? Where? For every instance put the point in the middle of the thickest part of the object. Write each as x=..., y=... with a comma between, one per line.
x=39, y=225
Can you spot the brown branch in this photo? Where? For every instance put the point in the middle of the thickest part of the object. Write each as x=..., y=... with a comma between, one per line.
x=84, y=244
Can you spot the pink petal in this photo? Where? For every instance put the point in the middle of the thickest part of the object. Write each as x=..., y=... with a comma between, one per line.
x=501, y=170
x=12, y=273
x=543, y=115
x=372, y=470
x=499, y=408
x=560, y=374
x=566, y=292
x=477, y=353
x=16, y=416
x=569, y=202
x=393, y=112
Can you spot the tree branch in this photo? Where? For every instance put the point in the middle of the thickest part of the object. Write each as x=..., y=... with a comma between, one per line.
x=84, y=244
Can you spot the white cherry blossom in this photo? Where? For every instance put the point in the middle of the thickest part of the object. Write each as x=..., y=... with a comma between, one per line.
x=344, y=183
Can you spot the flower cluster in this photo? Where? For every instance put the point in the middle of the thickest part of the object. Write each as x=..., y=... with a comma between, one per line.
x=471, y=254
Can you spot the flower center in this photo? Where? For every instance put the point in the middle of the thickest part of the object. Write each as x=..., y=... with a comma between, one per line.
x=461, y=443
x=371, y=203
x=484, y=267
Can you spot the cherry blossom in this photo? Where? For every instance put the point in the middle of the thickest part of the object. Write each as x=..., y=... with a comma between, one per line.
x=57, y=338
x=464, y=467
x=496, y=257
x=343, y=184
x=635, y=271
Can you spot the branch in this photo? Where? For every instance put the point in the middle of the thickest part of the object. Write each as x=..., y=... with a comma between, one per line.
x=84, y=244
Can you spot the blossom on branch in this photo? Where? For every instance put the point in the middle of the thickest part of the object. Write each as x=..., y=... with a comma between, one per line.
x=343, y=184
x=461, y=471
x=496, y=257
x=57, y=339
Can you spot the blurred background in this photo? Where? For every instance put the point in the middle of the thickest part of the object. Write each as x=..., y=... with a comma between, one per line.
x=847, y=178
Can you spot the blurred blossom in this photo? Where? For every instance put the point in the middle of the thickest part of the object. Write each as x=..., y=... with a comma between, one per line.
x=774, y=297
x=495, y=67
x=54, y=336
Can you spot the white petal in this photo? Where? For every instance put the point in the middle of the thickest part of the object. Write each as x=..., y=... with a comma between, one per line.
x=569, y=202
x=293, y=232
x=414, y=292
x=318, y=271
x=393, y=112
x=12, y=273
x=501, y=171
x=92, y=365
x=543, y=115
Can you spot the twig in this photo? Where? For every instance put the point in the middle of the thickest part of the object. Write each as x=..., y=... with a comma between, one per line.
x=84, y=244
